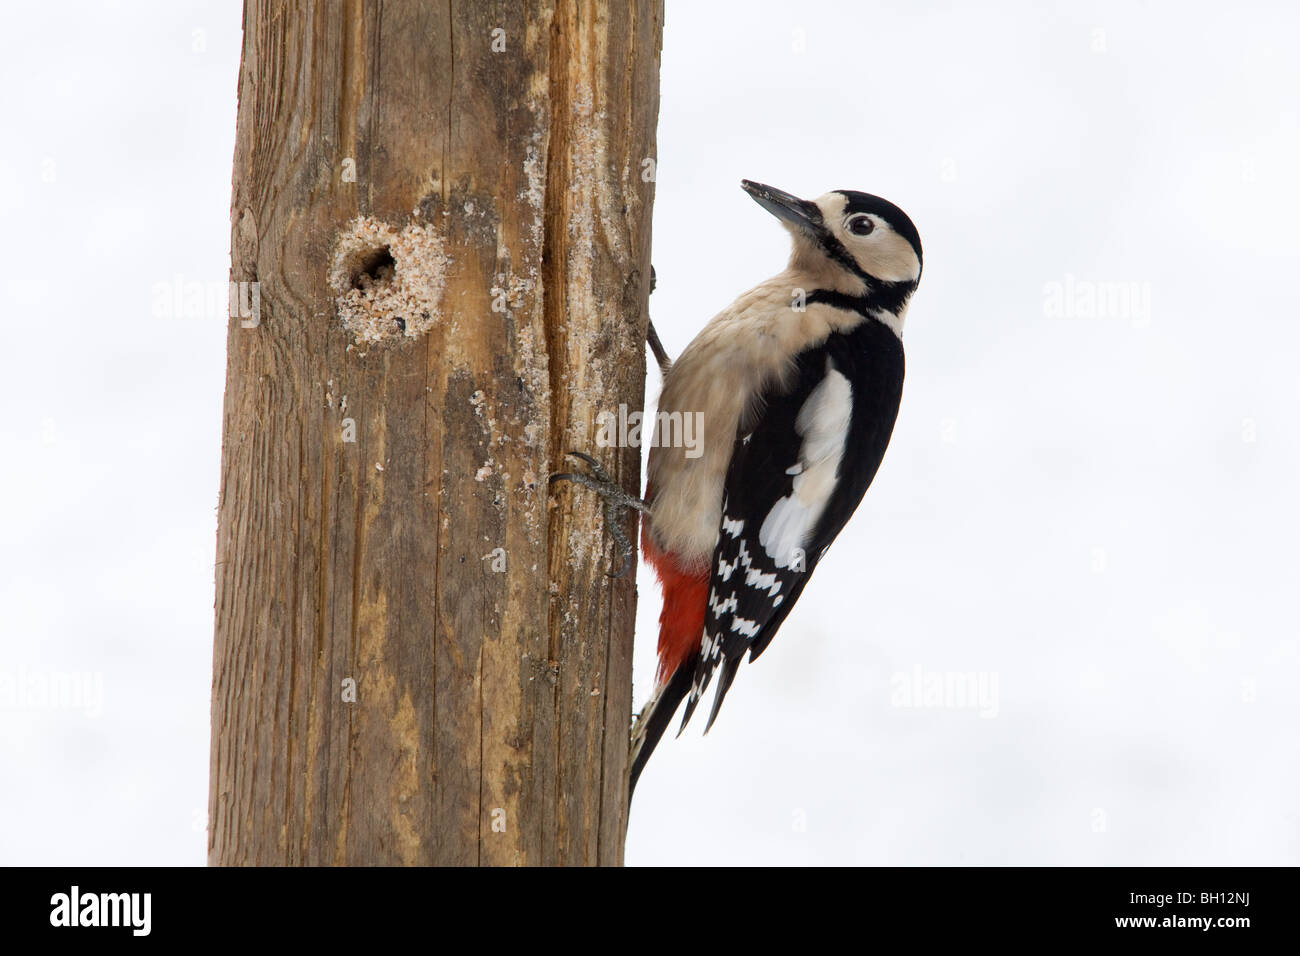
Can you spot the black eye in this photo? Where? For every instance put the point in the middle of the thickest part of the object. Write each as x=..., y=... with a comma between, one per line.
x=861, y=225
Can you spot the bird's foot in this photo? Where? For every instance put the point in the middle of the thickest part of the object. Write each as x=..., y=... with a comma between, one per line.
x=617, y=503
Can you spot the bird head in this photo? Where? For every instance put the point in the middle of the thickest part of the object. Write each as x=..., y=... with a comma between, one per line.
x=857, y=243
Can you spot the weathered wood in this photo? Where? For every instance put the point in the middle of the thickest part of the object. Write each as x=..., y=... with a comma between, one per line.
x=484, y=698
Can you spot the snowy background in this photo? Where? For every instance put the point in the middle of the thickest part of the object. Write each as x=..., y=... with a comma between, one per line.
x=1088, y=512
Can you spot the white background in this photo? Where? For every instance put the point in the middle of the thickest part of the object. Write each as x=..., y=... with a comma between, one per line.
x=1097, y=512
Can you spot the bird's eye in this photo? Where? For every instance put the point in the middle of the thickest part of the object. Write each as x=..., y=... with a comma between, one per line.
x=861, y=225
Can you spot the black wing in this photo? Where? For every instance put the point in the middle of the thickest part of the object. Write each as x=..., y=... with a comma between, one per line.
x=786, y=498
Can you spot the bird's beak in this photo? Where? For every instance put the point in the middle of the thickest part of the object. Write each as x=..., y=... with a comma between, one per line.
x=797, y=212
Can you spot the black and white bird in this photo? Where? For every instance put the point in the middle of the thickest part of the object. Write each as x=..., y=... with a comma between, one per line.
x=798, y=383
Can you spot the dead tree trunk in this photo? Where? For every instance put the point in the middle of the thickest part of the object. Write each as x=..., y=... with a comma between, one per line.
x=440, y=263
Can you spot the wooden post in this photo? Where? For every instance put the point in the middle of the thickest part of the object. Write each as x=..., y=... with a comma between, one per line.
x=440, y=264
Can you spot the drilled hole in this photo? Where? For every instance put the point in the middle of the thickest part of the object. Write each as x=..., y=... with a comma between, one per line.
x=375, y=265
x=387, y=284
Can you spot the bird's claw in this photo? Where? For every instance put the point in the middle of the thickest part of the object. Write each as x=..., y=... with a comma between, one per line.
x=616, y=502
x=594, y=465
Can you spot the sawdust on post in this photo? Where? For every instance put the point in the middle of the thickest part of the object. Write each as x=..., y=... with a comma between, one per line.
x=393, y=300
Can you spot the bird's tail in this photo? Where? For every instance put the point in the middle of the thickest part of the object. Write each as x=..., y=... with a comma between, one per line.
x=681, y=623
x=655, y=717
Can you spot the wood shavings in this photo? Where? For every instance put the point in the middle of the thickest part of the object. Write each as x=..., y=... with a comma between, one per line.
x=387, y=284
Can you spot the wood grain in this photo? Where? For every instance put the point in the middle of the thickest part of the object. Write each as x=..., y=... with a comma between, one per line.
x=492, y=707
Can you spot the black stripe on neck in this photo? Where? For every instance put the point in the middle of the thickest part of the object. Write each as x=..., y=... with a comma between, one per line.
x=880, y=296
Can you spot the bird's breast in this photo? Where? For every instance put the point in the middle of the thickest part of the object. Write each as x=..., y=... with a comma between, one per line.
x=715, y=384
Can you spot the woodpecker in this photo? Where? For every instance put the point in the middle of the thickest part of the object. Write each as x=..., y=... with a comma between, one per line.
x=798, y=383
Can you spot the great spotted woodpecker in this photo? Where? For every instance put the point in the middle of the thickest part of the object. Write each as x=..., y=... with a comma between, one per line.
x=798, y=383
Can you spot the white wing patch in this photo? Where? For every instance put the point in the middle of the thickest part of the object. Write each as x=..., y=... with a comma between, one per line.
x=725, y=606
x=725, y=570
x=823, y=423
x=753, y=577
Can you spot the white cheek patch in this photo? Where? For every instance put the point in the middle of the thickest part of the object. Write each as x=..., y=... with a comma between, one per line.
x=883, y=254
x=823, y=423
x=889, y=256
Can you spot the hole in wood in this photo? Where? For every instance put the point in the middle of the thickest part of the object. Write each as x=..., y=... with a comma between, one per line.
x=387, y=282
x=371, y=266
